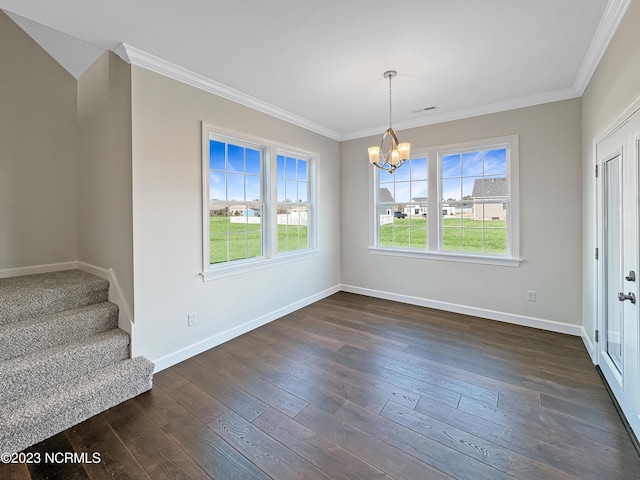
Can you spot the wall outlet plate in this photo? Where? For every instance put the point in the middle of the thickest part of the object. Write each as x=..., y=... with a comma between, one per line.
x=192, y=319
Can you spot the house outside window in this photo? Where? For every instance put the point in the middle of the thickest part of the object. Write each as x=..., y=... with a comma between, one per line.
x=462, y=207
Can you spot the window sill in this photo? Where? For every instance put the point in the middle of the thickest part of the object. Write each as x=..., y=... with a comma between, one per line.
x=249, y=266
x=448, y=257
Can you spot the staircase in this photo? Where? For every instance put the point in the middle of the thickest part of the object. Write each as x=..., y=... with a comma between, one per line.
x=63, y=358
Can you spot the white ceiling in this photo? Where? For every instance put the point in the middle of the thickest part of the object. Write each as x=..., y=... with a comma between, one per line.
x=321, y=62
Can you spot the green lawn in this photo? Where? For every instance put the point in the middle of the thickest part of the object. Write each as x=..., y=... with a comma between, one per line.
x=459, y=234
x=235, y=241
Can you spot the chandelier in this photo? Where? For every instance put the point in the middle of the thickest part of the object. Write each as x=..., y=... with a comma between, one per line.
x=396, y=153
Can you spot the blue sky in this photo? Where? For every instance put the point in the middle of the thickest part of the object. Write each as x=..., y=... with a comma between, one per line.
x=459, y=173
x=234, y=174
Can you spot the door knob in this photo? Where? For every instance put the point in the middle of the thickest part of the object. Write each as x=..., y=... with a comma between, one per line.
x=631, y=277
x=631, y=296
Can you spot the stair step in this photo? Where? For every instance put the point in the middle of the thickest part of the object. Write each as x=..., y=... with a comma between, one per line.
x=23, y=424
x=36, y=334
x=46, y=293
x=34, y=375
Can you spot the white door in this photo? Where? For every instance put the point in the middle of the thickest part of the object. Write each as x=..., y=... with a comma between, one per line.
x=617, y=160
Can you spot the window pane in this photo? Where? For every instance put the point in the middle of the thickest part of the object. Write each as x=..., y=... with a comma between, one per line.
x=472, y=238
x=236, y=158
x=219, y=235
x=472, y=164
x=235, y=187
x=451, y=166
x=216, y=155
x=252, y=184
x=292, y=228
x=419, y=191
x=452, y=238
x=403, y=192
x=402, y=174
x=302, y=170
x=218, y=248
x=419, y=169
x=472, y=188
x=386, y=193
x=280, y=166
x=238, y=246
x=291, y=189
x=217, y=185
x=495, y=162
x=281, y=194
x=451, y=189
x=418, y=233
x=303, y=192
x=495, y=240
x=254, y=244
x=290, y=168
x=253, y=162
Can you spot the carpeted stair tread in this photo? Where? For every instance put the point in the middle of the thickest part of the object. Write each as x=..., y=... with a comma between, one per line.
x=45, y=293
x=34, y=374
x=25, y=423
x=39, y=333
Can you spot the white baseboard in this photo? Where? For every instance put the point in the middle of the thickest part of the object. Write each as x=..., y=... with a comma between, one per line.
x=522, y=320
x=208, y=343
x=589, y=345
x=125, y=317
x=31, y=270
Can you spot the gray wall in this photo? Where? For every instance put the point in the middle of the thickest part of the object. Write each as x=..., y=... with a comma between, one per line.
x=550, y=223
x=167, y=221
x=105, y=229
x=38, y=168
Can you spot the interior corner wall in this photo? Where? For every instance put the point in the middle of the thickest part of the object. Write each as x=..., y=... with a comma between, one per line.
x=105, y=227
x=38, y=180
x=614, y=86
x=168, y=223
x=550, y=225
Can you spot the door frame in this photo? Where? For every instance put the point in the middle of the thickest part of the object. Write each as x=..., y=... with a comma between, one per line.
x=632, y=154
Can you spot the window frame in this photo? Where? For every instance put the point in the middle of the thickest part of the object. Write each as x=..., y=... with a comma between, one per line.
x=434, y=249
x=268, y=183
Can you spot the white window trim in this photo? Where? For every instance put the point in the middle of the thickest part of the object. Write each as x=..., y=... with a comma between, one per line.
x=270, y=256
x=434, y=234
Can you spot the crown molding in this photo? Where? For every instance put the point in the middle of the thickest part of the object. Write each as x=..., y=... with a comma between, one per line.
x=155, y=64
x=607, y=27
x=528, y=101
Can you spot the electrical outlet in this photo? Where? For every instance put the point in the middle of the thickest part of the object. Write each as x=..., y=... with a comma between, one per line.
x=192, y=319
x=531, y=296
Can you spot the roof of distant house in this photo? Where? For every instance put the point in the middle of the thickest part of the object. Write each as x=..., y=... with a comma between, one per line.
x=492, y=187
x=384, y=196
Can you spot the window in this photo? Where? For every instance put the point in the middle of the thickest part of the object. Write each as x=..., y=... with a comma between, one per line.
x=402, y=200
x=235, y=201
x=455, y=202
x=258, y=202
x=293, y=203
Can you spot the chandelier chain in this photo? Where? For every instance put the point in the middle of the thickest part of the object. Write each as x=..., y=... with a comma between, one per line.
x=390, y=76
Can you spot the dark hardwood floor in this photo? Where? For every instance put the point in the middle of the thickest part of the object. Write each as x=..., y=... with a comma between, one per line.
x=354, y=387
